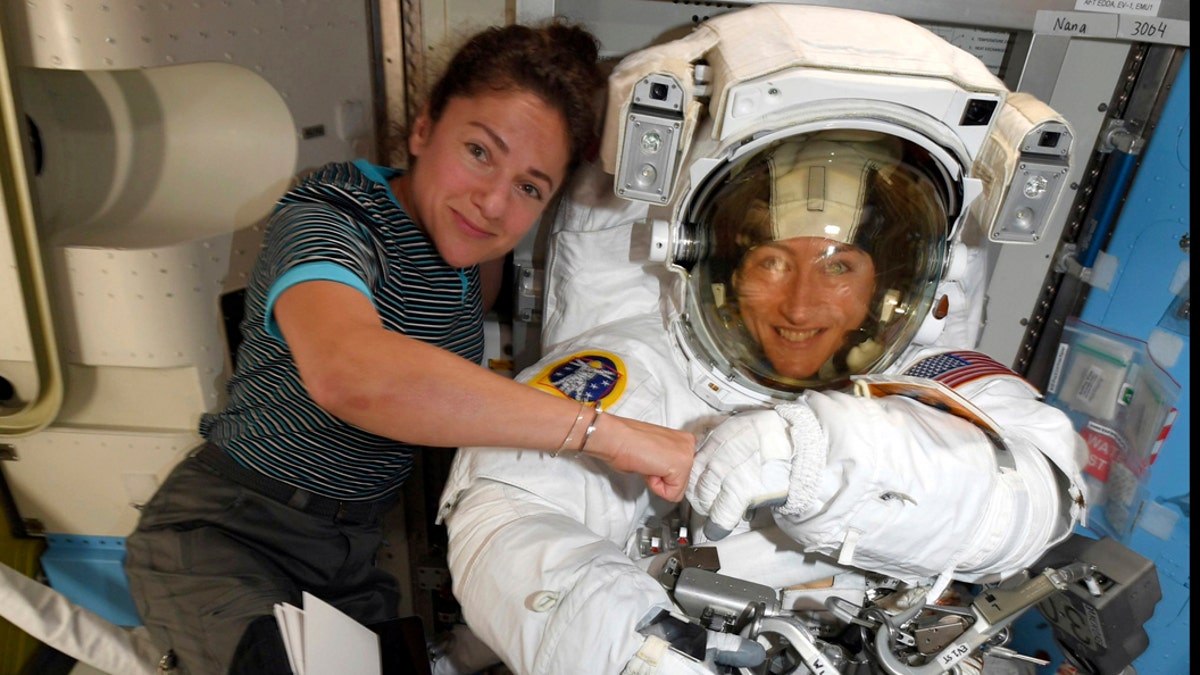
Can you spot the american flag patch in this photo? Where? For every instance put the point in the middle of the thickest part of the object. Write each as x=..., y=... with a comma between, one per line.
x=955, y=368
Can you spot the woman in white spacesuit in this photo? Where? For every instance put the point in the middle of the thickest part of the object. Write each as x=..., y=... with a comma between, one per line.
x=801, y=260
x=542, y=550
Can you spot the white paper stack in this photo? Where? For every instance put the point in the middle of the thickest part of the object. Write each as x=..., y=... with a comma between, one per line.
x=321, y=640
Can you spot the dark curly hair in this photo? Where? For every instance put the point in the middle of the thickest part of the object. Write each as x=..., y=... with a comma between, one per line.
x=555, y=60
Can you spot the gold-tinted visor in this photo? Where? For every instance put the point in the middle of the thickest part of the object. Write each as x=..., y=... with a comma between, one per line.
x=822, y=255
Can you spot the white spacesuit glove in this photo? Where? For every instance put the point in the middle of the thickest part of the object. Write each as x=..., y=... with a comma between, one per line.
x=676, y=646
x=745, y=462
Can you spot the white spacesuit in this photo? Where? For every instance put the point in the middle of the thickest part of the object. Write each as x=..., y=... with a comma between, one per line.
x=802, y=250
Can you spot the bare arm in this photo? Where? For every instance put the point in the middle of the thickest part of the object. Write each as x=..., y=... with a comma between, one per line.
x=402, y=388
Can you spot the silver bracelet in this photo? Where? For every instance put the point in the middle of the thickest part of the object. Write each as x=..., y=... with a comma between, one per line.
x=587, y=435
x=571, y=431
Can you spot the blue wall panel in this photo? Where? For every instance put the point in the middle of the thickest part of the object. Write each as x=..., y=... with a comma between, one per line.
x=1146, y=243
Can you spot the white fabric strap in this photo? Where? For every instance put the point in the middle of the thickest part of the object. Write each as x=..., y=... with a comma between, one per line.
x=846, y=555
x=646, y=661
x=941, y=584
x=49, y=616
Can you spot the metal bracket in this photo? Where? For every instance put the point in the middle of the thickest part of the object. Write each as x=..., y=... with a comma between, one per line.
x=1117, y=136
x=432, y=578
x=530, y=289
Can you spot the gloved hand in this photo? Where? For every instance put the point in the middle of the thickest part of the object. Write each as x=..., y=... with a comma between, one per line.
x=675, y=646
x=745, y=462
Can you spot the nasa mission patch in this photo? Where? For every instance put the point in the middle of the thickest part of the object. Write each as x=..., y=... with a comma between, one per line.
x=586, y=377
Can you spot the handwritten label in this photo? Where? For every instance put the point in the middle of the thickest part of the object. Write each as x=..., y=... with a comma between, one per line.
x=1113, y=26
x=1142, y=7
x=1163, y=31
x=953, y=654
x=1076, y=24
x=819, y=666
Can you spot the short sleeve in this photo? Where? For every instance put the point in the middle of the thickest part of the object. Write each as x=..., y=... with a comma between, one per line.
x=307, y=242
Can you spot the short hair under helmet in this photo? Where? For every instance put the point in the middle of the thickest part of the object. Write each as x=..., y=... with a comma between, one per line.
x=844, y=193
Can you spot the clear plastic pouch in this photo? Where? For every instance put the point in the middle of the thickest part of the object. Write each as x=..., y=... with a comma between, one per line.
x=1123, y=404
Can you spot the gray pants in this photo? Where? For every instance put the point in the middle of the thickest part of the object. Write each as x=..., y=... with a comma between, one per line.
x=210, y=555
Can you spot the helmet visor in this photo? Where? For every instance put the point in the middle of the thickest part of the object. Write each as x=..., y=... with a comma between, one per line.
x=822, y=256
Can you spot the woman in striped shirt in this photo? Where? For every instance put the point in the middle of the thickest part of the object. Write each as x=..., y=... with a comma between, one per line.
x=361, y=344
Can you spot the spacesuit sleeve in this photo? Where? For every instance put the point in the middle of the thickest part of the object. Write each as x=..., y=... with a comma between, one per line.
x=537, y=547
x=547, y=594
x=896, y=486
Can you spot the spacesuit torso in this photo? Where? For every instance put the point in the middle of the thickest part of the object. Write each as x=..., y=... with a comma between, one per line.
x=545, y=552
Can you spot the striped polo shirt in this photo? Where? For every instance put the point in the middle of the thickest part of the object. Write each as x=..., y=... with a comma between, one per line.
x=342, y=223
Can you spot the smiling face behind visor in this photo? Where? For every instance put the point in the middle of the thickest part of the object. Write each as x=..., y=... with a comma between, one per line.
x=823, y=255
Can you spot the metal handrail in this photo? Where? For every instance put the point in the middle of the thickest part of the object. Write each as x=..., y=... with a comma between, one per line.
x=18, y=208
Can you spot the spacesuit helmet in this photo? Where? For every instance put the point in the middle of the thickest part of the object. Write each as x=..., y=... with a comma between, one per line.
x=818, y=259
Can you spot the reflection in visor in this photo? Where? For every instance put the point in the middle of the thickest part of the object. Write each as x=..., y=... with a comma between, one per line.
x=823, y=254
